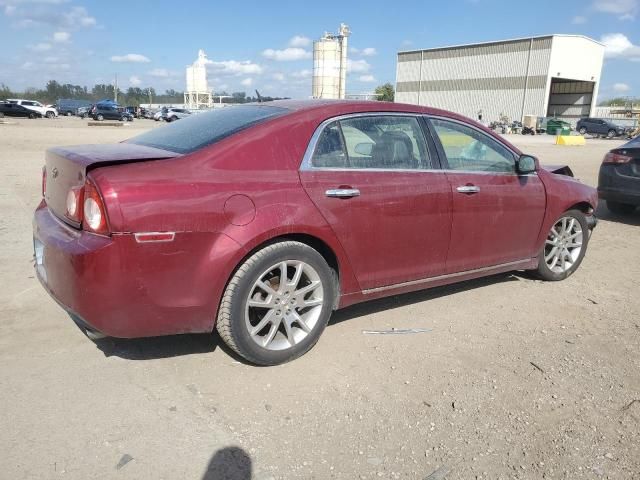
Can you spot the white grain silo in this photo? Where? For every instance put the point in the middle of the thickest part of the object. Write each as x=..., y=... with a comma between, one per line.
x=330, y=64
x=198, y=95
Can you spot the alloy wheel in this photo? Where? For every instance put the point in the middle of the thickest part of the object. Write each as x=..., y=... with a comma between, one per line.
x=284, y=305
x=563, y=245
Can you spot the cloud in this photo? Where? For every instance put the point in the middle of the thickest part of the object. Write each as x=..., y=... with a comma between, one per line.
x=579, y=20
x=357, y=66
x=621, y=87
x=367, y=78
x=247, y=82
x=234, y=67
x=299, y=41
x=40, y=47
x=278, y=76
x=286, y=55
x=617, y=45
x=625, y=9
x=32, y=13
x=306, y=73
x=369, y=52
x=162, y=73
x=61, y=37
x=130, y=58
x=135, y=81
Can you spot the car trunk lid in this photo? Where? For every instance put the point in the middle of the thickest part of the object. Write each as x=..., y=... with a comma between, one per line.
x=67, y=167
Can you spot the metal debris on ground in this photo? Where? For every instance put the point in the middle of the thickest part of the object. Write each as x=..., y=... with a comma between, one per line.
x=126, y=458
x=439, y=474
x=537, y=367
x=396, y=331
x=628, y=405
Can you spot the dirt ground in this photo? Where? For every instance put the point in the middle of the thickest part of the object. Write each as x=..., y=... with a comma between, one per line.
x=517, y=378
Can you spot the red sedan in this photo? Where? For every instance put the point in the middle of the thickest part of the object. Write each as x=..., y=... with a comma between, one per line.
x=261, y=220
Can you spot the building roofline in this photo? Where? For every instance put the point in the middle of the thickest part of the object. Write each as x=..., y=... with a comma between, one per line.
x=497, y=42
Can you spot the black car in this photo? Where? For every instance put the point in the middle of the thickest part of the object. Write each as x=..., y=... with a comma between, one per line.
x=14, y=110
x=599, y=126
x=619, y=179
x=110, y=112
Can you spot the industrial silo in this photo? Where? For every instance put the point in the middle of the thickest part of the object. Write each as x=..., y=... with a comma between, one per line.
x=197, y=95
x=330, y=64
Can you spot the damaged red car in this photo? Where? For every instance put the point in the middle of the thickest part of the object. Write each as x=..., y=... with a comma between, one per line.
x=260, y=220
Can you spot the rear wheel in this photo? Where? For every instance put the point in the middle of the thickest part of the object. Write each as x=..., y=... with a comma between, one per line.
x=69, y=114
x=611, y=133
x=582, y=130
x=32, y=116
x=277, y=304
x=564, y=247
x=125, y=118
x=99, y=118
x=620, y=208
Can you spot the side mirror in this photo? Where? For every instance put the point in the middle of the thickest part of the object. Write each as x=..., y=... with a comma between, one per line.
x=526, y=164
x=364, y=148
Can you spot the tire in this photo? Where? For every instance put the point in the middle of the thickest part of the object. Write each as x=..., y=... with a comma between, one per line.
x=69, y=114
x=553, y=271
x=289, y=339
x=611, y=133
x=125, y=119
x=620, y=208
x=582, y=130
x=49, y=115
x=32, y=116
x=99, y=118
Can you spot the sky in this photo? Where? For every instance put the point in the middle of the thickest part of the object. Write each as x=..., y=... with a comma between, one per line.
x=267, y=45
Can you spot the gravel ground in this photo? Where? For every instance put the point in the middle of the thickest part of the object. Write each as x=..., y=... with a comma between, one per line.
x=517, y=378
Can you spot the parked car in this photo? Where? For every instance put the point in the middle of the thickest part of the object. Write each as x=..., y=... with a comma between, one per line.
x=110, y=112
x=260, y=220
x=619, y=178
x=44, y=110
x=83, y=112
x=70, y=106
x=157, y=116
x=14, y=110
x=172, y=114
x=598, y=126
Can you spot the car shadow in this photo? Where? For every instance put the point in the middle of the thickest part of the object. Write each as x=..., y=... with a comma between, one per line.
x=387, y=303
x=604, y=214
x=153, y=348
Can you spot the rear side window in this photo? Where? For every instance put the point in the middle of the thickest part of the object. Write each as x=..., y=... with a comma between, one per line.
x=197, y=131
x=385, y=142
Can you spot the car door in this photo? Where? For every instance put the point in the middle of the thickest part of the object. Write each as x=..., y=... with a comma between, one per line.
x=376, y=180
x=497, y=214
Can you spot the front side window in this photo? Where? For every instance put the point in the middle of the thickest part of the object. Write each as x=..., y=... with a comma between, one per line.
x=471, y=150
x=373, y=142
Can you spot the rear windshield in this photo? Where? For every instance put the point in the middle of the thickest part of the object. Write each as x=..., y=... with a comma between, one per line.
x=196, y=131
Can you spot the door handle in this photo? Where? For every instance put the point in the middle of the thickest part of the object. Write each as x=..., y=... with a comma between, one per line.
x=468, y=189
x=342, y=193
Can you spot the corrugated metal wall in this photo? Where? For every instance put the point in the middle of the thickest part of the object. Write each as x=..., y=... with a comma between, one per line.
x=489, y=77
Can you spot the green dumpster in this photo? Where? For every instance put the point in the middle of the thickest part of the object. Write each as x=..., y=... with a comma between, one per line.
x=558, y=127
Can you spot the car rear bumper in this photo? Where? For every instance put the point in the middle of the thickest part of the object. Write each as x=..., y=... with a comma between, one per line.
x=619, y=183
x=122, y=288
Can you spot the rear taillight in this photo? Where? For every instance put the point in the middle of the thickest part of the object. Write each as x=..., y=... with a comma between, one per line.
x=74, y=204
x=95, y=214
x=44, y=181
x=612, y=157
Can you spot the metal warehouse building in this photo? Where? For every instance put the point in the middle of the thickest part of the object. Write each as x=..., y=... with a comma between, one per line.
x=555, y=75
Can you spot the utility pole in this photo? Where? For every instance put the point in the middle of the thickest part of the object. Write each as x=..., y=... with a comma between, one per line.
x=150, y=102
x=115, y=90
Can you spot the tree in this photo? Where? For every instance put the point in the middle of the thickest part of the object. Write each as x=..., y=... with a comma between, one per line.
x=386, y=92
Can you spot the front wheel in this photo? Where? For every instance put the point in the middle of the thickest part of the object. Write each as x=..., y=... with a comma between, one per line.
x=50, y=114
x=277, y=304
x=564, y=247
x=99, y=118
x=582, y=130
x=611, y=133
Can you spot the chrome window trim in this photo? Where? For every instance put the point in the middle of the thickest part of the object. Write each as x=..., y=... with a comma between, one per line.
x=306, y=164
